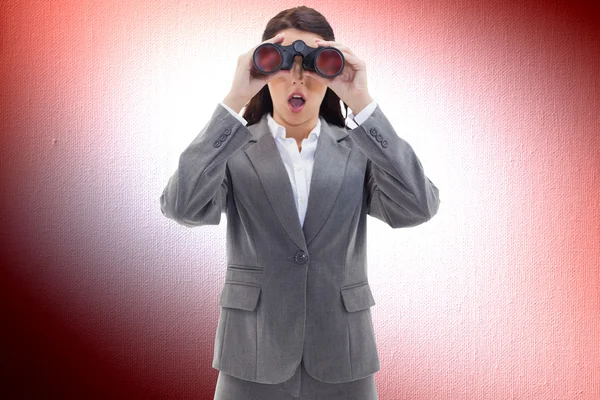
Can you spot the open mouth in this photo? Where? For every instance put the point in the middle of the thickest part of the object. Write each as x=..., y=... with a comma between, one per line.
x=296, y=104
x=296, y=101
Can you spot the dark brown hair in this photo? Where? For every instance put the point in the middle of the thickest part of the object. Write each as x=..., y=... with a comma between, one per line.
x=304, y=19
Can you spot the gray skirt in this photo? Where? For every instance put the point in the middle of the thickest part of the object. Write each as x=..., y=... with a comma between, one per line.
x=301, y=386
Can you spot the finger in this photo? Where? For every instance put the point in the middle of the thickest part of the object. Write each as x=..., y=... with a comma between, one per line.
x=337, y=45
x=280, y=37
x=277, y=38
x=353, y=60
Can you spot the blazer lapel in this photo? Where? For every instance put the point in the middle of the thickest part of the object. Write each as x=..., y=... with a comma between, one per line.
x=326, y=181
x=327, y=177
x=271, y=171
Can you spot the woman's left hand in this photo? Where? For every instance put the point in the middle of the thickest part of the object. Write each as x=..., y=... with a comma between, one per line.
x=351, y=84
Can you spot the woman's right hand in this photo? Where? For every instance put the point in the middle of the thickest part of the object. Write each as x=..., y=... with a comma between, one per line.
x=247, y=81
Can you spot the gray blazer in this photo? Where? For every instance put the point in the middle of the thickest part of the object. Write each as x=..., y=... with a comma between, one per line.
x=293, y=291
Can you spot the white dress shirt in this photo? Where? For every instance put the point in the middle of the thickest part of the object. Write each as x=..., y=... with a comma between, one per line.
x=299, y=164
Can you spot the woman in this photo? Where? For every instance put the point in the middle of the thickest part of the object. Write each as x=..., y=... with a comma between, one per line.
x=295, y=318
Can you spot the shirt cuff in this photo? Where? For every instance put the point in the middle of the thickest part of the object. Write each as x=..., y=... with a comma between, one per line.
x=238, y=116
x=363, y=114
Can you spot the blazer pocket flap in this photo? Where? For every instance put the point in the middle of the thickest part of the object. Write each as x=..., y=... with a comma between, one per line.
x=242, y=295
x=357, y=297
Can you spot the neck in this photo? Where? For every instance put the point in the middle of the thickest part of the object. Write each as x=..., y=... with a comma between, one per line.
x=298, y=130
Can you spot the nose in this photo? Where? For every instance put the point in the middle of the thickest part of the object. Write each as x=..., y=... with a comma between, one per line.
x=297, y=70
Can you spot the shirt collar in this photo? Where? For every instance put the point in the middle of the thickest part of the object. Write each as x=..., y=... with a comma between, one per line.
x=278, y=130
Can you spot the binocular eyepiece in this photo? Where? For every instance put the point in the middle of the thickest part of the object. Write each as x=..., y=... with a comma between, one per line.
x=328, y=62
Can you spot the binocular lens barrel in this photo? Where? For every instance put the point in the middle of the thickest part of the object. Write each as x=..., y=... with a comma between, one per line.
x=267, y=59
x=329, y=62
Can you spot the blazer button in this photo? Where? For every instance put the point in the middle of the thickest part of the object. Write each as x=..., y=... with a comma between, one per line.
x=384, y=143
x=217, y=143
x=301, y=257
x=227, y=131
x=222, y=137
x=379, y=138
x=373, y=132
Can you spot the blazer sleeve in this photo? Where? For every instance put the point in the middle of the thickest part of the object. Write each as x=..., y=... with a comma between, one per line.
x=397, y=189
x=196, y=194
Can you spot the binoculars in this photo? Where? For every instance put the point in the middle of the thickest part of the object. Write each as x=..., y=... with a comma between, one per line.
x=268, y=58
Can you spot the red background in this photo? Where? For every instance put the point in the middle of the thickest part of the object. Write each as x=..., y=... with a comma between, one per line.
x=497, y=297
